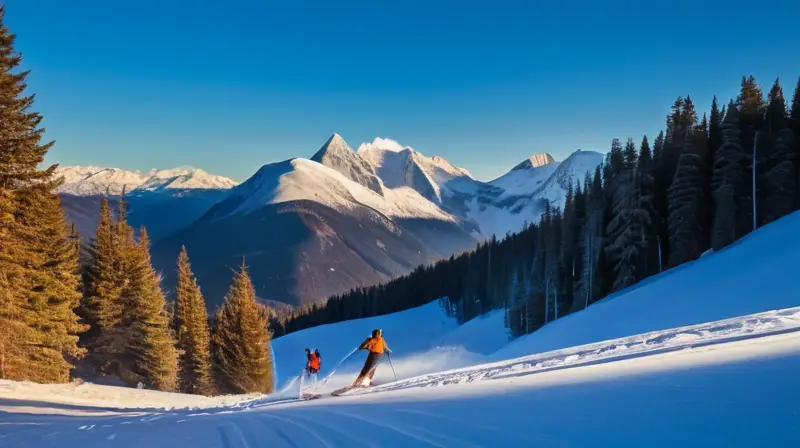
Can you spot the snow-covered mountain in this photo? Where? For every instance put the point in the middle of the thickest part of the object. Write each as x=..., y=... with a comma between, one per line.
x=310, y=228
x=161, y=200
x=93, y=180
x=485, y=208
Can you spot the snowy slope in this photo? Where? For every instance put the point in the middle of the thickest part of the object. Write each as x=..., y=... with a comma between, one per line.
x=525, y=179
x=302, y=179
x=535, y=161
x=433, y=177
x=709, y=389
x=755, y=274
x=436, y=342
x=92, y=180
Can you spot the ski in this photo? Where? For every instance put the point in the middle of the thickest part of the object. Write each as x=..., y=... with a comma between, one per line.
x=346, y=389
x=307, y=396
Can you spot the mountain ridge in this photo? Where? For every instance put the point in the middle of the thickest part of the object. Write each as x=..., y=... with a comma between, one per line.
x=342, y=219
x=313, y=227
x=88, y=180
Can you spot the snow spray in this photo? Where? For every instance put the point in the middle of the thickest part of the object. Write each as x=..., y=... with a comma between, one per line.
x=325, y=380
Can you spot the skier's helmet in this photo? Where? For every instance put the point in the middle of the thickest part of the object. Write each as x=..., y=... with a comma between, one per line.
x=376, y=333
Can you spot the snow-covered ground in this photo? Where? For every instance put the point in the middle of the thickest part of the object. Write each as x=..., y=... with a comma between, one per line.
x=692, y=388
x=703, y=355
x=435, y=343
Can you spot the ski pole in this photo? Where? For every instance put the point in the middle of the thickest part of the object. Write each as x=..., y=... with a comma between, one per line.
x=327, y=378
x=389, y=355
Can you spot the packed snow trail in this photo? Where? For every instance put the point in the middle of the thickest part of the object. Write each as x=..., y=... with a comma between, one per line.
x=739, y=393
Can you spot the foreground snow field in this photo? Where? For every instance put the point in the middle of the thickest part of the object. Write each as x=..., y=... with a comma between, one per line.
x=725, y=383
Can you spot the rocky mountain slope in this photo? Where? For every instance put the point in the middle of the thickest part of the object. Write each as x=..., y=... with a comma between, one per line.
x=310, y=228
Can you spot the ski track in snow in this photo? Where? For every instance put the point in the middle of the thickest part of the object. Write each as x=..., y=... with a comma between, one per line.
x=683, y=338
x=460, y=414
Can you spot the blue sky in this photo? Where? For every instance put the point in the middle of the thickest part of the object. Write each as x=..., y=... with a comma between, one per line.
x=230, y=86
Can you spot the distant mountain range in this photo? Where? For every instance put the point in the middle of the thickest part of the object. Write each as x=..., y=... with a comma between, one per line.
x=93, y=180
x=163, y=201
x=310, y=228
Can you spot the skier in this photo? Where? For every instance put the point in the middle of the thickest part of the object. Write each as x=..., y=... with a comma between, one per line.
x=376, y=347
x=313, y=364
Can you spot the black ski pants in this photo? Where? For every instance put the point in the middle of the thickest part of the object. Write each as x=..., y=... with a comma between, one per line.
x=370, y=365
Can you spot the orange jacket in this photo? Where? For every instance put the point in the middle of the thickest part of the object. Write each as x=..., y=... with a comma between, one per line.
x=374, y=345
x=313, y=361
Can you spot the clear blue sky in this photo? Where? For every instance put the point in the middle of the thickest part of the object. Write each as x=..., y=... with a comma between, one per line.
x=229, y=86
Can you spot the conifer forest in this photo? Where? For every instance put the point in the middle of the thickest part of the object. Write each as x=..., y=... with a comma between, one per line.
x=98, y=306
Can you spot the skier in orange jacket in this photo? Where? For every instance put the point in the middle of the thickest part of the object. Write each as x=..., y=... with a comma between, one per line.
x=313, y=364
x=376, y=346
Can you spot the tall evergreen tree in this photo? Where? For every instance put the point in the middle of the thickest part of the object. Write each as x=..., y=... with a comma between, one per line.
x=645, y=214
x=794, y=119
x=776, y=117
x=242, y=348
x=40, y=285
x=623, y=229
x=191, y=326
x=51, y=284
x=751, y=115
x=685, y=200
x=780, y=184
x=592, y=241
x=105, y=304
x=152, y=344
x=727, y=173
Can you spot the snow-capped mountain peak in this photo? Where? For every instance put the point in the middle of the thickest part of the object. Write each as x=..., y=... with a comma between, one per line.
x=337, y=155
x=334, y=144
x=385, y=144
x=93, y=180
x=535, y=161
x=185, y=178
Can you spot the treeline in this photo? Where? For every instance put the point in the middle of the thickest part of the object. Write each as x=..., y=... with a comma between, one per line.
x=703, y=183
x=103, y=307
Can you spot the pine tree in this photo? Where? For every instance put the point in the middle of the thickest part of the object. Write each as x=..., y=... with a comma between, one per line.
x=191, y=326
x=685, y=200
x=621, y=232
x=15, y=333
x=794, y=119
x=726, y=177
x=51, y=285
x=645, y=213
x=152, y=344
x=592, y=240
x=751, y=115
x=776, y=118
x=40, y=285
x=780, y=184
x=242, y=348
x=105, y=281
